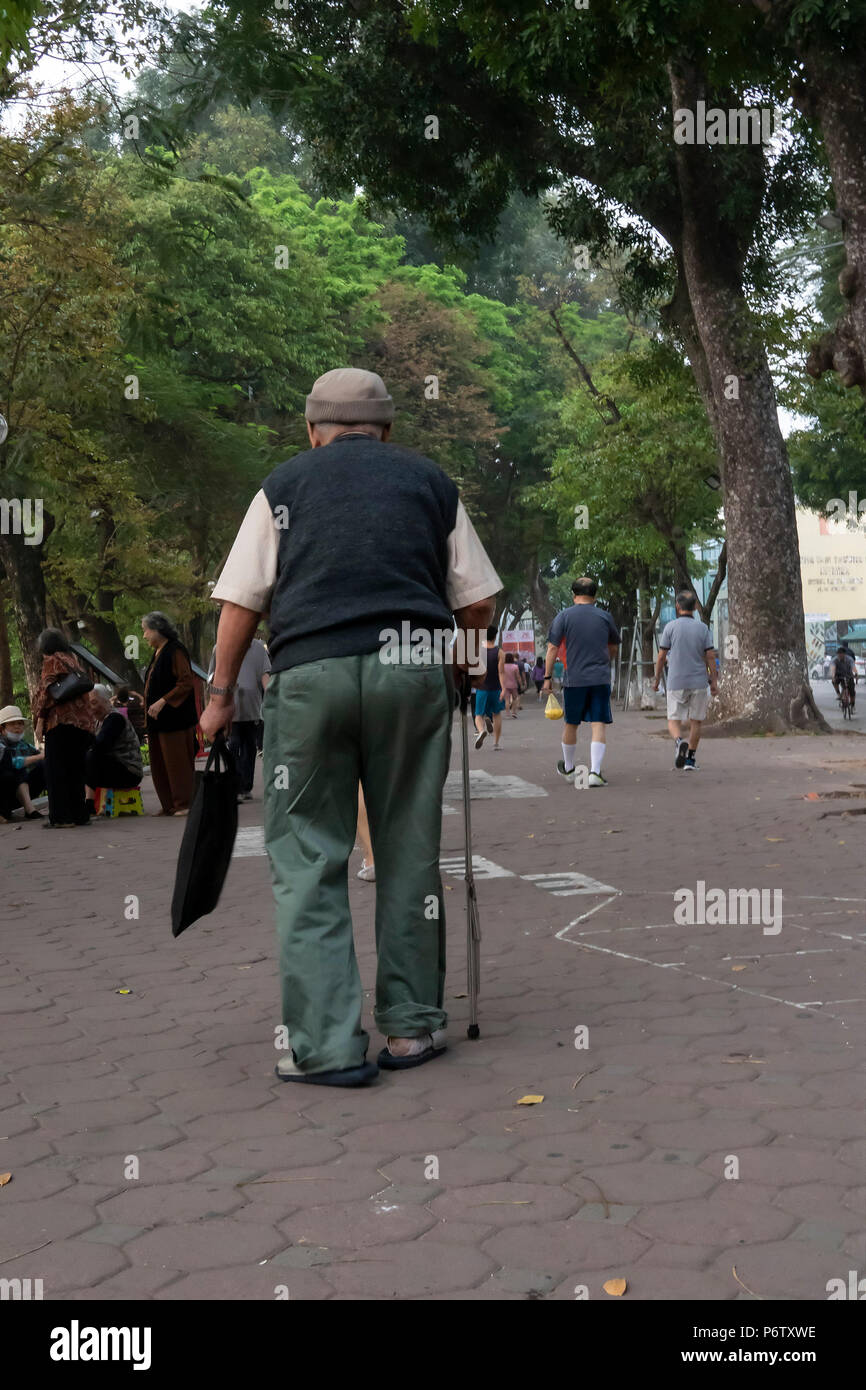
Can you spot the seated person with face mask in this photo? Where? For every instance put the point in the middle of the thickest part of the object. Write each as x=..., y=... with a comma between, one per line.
x=22, y=770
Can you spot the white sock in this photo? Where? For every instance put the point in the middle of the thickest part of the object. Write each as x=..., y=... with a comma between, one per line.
x=596, y=752
x=568, y=750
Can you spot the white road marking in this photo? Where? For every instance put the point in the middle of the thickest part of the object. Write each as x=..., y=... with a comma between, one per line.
x=565, y=885
x=585, y=945
x=483, y=786
x=455, y=865
x=249, y=841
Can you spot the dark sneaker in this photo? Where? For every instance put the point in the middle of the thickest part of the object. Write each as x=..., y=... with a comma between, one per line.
x=690, y=765
x=596, y=780
x=479, y=738
x=682, y=753
x=488, y=723
x=567, y=772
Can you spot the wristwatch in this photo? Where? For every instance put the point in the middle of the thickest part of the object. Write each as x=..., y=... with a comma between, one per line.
x=223, y=689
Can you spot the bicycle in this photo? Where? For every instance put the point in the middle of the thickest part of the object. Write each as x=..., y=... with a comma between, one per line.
x=846, y=701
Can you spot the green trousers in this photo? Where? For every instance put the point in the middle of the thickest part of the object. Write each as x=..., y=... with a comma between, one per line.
x=328, y=726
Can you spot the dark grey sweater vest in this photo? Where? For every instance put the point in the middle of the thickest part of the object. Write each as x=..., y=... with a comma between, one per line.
x=363, y=545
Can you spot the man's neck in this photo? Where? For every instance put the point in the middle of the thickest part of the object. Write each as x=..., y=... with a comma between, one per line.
x=583, y=598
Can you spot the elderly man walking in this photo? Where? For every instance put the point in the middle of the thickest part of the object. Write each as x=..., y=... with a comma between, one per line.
x=344, y=544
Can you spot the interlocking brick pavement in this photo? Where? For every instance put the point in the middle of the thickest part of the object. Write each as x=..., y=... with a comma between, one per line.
x=155, y=1156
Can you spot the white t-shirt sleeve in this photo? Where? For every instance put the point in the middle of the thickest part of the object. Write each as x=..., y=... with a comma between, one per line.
x=250, y=572
x=471, y=576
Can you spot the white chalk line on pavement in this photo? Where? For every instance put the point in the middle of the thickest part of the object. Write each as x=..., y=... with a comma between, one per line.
x=562, y=935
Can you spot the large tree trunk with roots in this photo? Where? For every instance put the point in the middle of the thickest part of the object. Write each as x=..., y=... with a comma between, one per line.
x=834, y=92
x=766, y=687
x=5, y=654
x=26, y=586
x=542, y=605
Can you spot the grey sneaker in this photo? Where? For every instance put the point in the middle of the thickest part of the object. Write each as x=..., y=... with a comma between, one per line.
x=566, y=772
x=596, y=780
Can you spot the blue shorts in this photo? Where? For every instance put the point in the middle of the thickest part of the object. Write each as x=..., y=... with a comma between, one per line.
x=488, y=702
x=587, y=704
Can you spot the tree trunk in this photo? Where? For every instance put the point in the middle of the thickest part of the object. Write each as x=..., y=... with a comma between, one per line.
x=763, y=688
x=834, y=93
x=539, y=597
x=6, y=687
x=26, y=586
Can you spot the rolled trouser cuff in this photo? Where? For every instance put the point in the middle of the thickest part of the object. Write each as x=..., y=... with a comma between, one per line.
x=409, y=1020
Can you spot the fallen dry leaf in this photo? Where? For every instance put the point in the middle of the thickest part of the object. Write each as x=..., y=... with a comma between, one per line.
x=738, y=967
x=775, y=839
x=617, y=1287
x=4, y=1178
x=530, y=1100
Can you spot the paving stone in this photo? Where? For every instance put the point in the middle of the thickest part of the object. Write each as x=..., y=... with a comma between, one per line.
x=774, y=1270
x=304, y=1257
x=565, y=1247
x=66, y=1265
x=646, y=1182
x=779, y=1165
x=203, y=1245
x=652, y=1282
x=25, y=1224
x=504, y=1203
x=460, y=1167
x=109, y=1233
x=158, y=1205
x=378, y=1221
x=271, y=1151
x=723, y=1218
x=595, y=1211
x=525, y=1281
x=415, y=1270
x=821, y=1234
x=238, y=1283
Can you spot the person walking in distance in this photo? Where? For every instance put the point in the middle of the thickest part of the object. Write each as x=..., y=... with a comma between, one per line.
x=686, y=648
x=253, y=680
x=343, y=544
x=538, y=675
x=591, y=640
x=490, y=694
x=511, y=684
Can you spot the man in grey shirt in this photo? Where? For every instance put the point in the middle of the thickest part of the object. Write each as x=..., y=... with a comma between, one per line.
x=686, y=645
x=251, y=686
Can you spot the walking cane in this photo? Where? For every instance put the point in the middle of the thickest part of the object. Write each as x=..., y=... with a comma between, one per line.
x=473, y=926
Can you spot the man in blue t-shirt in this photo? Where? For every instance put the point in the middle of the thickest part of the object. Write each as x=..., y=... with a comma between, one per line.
x=591, y=642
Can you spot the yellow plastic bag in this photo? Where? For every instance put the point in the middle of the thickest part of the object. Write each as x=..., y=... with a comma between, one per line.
x=553, y=709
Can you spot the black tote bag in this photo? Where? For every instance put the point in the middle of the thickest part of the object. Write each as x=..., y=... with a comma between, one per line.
x=208, y=839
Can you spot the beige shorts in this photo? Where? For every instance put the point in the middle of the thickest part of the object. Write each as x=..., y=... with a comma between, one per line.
x=688, y=704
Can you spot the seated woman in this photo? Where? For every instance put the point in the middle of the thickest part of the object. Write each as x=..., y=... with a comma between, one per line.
x=22, y=770
x=114, y=758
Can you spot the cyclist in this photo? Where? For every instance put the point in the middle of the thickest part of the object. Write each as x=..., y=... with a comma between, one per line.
x=843, y=674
